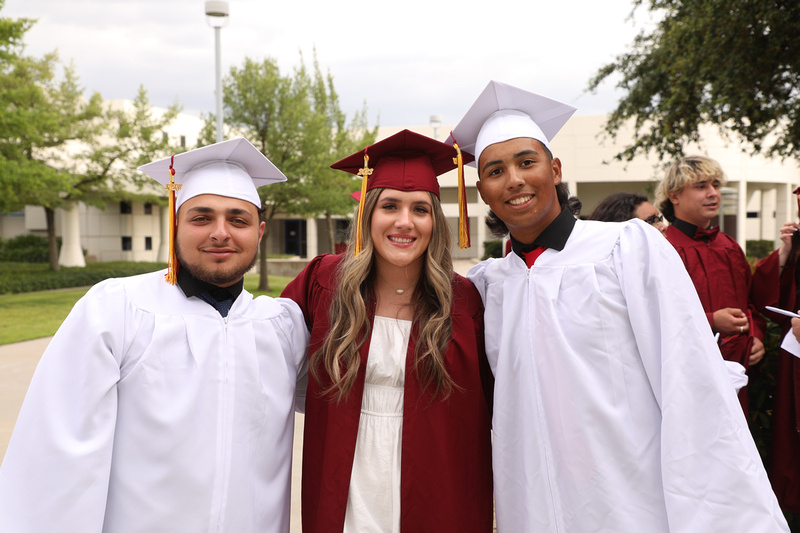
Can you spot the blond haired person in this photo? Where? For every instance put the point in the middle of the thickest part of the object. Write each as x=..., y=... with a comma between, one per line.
x=689, y=197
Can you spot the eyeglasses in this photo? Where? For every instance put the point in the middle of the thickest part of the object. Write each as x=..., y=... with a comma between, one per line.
x=653, y=219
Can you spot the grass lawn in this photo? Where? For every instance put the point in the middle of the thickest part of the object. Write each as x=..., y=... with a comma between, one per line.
x=32, y=315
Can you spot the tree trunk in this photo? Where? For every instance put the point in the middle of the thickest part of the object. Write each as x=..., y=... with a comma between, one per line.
x=263, y=277
x=52, y=244
x=331, y=231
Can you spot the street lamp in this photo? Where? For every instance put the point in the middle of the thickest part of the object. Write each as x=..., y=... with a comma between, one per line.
x=217, y=18
x=436, y=121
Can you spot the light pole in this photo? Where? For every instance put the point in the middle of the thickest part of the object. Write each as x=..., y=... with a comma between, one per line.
x=436, y=121
x=217, y=18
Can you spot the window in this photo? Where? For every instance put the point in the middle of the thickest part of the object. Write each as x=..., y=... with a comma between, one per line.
x=183, y=141
x=125, y=208
x=752, y=214
x=148, y=243
x=127, y=243
x=148, y=209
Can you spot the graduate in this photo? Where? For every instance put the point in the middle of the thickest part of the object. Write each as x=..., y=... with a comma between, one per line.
x=690, y=198
x=397, y=424
x=613, y=412
x=775, y=283
x=165, y=402
x=623, y=206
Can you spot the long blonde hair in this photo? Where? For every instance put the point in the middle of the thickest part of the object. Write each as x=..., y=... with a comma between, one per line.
x=349, y=322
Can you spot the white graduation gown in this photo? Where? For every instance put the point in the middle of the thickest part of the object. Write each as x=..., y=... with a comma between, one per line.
x=149, y=412
x=613, y=412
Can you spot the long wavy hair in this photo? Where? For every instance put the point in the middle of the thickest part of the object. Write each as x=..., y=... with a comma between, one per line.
x=349, y=321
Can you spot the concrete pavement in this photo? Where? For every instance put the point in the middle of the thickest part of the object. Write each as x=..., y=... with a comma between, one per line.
x=17, y=364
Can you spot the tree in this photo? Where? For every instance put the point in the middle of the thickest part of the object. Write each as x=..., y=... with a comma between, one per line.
x=731, y=63
x=43, y=115
x=104, y=169
x=57, y=147
x=295, y=121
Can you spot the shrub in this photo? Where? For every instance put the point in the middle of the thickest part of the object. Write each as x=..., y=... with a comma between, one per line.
x=492, y=249
x=24, y=277
x=759, y=248
x=26, y=248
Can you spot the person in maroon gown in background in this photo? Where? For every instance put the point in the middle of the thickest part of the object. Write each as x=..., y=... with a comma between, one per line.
x=775, y=283
x=689, y=197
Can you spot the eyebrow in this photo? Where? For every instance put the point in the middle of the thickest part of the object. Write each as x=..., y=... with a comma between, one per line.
x=231, y=211
x=530, y=151
x=415, y=202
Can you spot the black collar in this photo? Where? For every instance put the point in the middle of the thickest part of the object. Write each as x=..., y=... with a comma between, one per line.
x=191, y=286
x=554, y=236
x=686, y=227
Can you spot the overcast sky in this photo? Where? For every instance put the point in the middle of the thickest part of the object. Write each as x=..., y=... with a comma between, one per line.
x=406, y=60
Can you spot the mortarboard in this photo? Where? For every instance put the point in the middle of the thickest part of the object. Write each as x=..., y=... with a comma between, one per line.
x=233, y=168
x=503, y=112
x=406, y=161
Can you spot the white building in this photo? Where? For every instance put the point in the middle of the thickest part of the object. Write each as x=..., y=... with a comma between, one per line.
x=758, y=197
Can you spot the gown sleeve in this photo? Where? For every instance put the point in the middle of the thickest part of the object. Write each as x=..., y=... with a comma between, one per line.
x=707, y=453
x=55, y=474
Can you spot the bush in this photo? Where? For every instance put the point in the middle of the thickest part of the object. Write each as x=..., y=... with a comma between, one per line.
x=24, y=277
x=27, y=248
x=492, y=249
x=759, y=248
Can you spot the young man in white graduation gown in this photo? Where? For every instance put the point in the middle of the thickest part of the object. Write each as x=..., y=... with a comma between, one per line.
x=613, y=410
x=162, y=407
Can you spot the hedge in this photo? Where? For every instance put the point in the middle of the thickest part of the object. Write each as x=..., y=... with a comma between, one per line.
x=30, y=277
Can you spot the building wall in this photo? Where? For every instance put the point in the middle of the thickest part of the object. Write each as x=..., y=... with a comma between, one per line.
x=755, y=185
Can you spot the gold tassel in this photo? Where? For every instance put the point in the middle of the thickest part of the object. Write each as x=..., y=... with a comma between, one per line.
x=171, y=276
x=463, y=217
x=364, y=173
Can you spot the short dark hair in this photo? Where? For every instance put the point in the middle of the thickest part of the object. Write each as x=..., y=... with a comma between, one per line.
x=618, y=207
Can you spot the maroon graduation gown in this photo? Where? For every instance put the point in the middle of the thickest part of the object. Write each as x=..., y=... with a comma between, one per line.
x=780, y=289
x=721, y=274
x=446, y=474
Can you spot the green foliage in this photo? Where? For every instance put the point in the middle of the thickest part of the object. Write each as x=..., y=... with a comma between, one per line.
x=761, y=392
x=27, y=277
x=26, y=248
x=731, y=63
x=759, y=248
x=492, y=249
x=58, y=147
x=295, y=120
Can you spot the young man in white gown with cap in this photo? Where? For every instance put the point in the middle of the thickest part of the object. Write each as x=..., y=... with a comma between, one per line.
x=613, y=411
x=162, y=406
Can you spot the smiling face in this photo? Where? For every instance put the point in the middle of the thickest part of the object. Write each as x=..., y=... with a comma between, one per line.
x=518, y=181
x=217, y=238
x=698, y=202
x=401, y=228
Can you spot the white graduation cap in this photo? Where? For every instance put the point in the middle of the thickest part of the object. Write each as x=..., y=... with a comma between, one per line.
x=233, y=168
x=503, y=112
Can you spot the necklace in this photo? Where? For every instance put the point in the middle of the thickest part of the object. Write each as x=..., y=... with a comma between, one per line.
x=386, y=282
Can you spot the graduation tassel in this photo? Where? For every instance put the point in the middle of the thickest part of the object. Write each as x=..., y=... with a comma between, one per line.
x=463, y=217
x=171, y=276
x=364, y=173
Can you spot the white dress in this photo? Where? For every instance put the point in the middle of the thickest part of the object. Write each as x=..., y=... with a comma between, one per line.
x=373, y=502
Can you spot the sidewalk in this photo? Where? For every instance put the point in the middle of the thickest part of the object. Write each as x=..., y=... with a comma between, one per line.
x=17, y=363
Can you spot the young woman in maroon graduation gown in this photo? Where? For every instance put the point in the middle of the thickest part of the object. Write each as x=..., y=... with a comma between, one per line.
x=397, y=270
